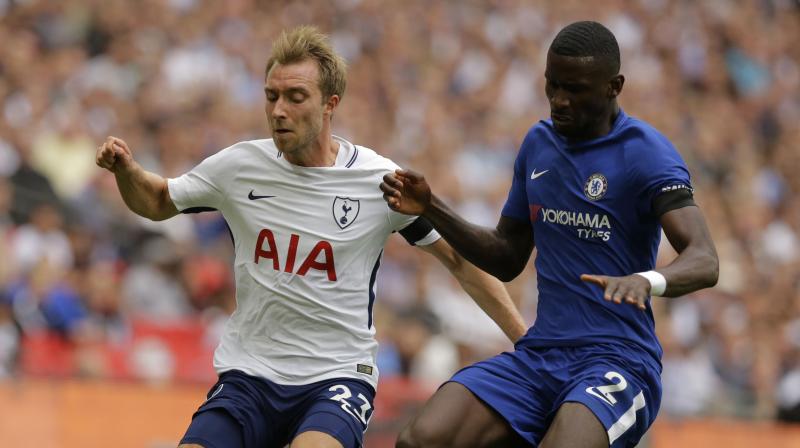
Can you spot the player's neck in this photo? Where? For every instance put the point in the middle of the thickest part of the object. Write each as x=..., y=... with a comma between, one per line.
x=602, y=127
x=321, y=152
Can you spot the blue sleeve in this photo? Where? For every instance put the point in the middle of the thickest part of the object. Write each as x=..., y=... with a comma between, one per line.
x=659, y=168
x=517, y=203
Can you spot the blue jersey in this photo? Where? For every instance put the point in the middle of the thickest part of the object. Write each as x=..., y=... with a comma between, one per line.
x=590, y=207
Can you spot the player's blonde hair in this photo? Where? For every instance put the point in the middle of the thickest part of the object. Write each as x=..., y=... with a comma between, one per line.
x=307, y=42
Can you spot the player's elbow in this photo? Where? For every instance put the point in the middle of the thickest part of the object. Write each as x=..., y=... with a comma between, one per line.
x=158, y=217
x=713, y=270
x=510, y=259
x=709, y=264
x=154, y=213
x=162, y=209
x=508, y=273
x=505, y=276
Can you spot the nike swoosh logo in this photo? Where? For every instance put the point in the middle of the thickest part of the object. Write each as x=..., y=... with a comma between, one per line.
x=534, y=174
x=253, y=197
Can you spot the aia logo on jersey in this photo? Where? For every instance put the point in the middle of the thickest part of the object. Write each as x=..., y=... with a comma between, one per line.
x=595, y=187
x=319, y=258
x=345, y=211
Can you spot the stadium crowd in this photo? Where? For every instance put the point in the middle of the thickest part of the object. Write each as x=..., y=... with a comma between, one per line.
x=445, y=87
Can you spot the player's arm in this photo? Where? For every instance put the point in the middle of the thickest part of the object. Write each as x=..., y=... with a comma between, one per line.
x=695, y=267
x=488, y=292
x=145, y=193
x=503, y=251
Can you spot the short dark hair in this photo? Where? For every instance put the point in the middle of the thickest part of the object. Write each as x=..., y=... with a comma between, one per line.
x=587, y=38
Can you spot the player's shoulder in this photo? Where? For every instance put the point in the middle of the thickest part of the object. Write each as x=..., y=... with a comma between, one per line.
x=263, y=145
x=245, y=151
x=368, y=159
x=540, y=135
x=637, y=132
x=643, y=143
x=541, y=129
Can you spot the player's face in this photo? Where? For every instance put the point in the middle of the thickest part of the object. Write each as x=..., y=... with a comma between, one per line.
x=578, y=89
x=295, y=109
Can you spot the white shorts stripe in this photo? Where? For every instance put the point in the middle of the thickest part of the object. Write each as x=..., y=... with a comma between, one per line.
x=627, y=420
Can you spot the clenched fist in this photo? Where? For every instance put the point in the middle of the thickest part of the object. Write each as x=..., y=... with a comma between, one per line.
x=114, y=155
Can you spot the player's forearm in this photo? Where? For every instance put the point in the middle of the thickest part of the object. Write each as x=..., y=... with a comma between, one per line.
x=693, y=269
x=491, y=295
x=482, y=246
x=145, y=193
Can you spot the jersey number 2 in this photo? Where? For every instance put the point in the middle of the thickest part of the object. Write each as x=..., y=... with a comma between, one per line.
x=604, y=392
x=342, y=396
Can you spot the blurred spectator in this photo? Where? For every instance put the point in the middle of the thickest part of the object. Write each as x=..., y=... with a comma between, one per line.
x=788, y=397
x=42, y=240
x=689, y=382
x=787, y=392
x=64, y=153
x=7, y=264
x=9, y=339
x=100, y=290
x=31, y=189
x=423, y=353
x=47, y=301
x=152, y=287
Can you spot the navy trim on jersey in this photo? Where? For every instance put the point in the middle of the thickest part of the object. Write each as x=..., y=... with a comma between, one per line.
x=211, y=209
x=230, y=232
x=417, y=230
x=372, y=278
x=198, y=210
x=352, y=159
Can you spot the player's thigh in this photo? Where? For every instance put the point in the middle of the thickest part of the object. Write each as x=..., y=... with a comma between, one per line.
x=622, y=394
x=213, y=428
x=575, y=425
x=455, y=417
x=336, y=416
x=315, y=439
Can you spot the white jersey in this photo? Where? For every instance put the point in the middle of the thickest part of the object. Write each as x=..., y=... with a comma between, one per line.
x=308, y=243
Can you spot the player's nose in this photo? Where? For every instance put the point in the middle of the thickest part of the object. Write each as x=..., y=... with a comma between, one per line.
x=278, y=109
x=559, y=103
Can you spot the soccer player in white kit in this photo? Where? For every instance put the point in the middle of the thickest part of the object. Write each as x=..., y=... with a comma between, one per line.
x=297, y=361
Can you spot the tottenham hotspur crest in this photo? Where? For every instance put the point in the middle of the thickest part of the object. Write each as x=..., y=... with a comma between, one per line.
x=595, y=187
x=345, y=211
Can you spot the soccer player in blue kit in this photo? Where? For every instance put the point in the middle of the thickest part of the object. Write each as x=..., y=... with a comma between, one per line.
x=592, y=189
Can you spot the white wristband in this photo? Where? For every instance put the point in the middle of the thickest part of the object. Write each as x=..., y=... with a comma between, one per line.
x=658, y=284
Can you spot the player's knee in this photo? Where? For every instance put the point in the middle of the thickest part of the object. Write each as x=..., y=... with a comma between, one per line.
x=422, y=434
x=408, y=439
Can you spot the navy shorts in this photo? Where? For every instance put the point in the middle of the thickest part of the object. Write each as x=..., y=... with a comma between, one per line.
x=618, y=383
x=244, y=411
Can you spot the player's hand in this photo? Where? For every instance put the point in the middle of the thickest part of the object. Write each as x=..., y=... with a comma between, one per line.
x=632, y=289
x=114, y=155
x=406, y=192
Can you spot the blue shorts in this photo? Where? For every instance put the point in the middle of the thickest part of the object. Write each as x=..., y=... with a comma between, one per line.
x=620, y=384
x=244, y=411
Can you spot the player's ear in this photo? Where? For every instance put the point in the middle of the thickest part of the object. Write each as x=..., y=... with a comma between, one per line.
x=331, y=104
x=615, y=85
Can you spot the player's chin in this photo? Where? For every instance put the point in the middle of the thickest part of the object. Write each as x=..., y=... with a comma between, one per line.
x=565, y=128
x=283, y=141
